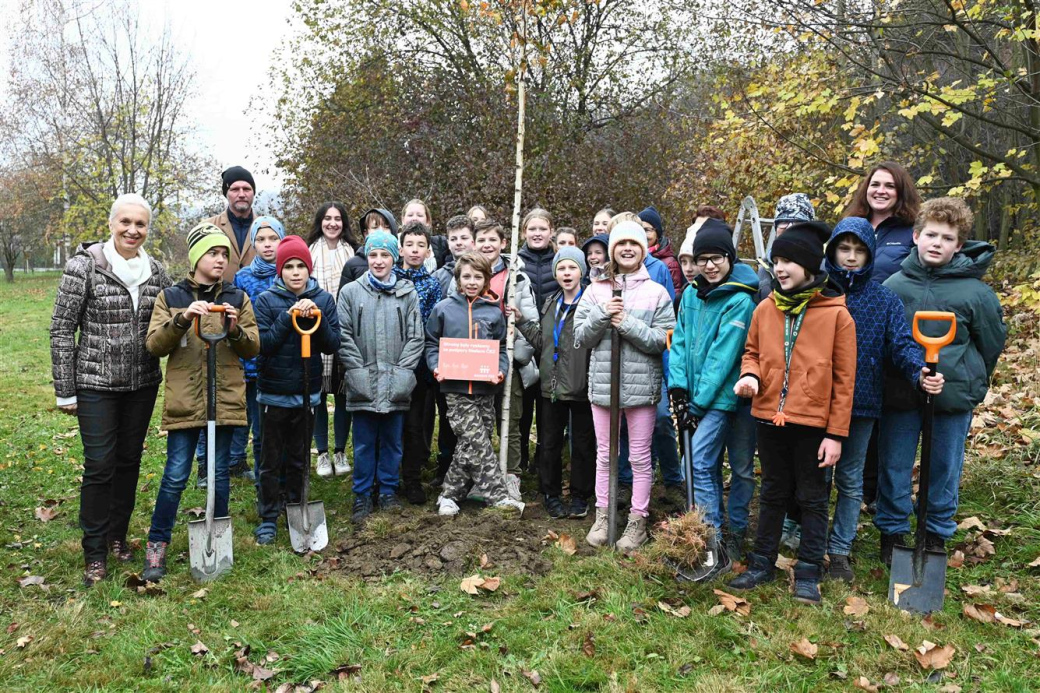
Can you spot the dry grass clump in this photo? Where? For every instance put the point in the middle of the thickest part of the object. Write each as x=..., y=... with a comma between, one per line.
x=678, y=542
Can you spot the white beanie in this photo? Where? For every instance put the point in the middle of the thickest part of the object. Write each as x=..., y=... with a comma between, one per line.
x=627, y=231
x=687, y=245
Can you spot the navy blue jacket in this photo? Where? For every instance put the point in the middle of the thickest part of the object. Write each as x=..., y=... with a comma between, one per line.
x=280, y=366
x=894, y=238
x=538, y=268
x=882, y=330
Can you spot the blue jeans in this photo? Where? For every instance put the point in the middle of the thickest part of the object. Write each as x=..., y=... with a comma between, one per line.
x=377, y=451
x=897, y=449
x=706, y=453
x=180, y=445
x=340, y=424
x=740, y=449
x=848, y=480
x=663, y=447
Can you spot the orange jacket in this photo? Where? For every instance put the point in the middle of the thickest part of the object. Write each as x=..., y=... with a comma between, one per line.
x=823, y=365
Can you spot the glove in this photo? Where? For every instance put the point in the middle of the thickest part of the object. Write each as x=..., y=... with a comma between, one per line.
x=681, y=407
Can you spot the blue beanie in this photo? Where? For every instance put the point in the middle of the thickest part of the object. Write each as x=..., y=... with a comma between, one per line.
x=382, y=240
x=265, y=222
x=569, y=252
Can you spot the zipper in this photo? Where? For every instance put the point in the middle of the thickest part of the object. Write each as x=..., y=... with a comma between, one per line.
x=400, y=323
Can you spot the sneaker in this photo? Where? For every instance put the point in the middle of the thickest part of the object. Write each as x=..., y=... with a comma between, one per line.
x=840, y=569
x=266, y=533
x=597, y=536
x=511, y=503
x=791, y=538
x=121, y=550
x=734, y=543
x=933, y=542
x=413, y=491
x=634, y=535
x=554, y=506
x=759, y=572
x=388, y=502
x=807, y=583
x=362, y=509
x=716, y=562
x=579, y=508
x=340, y=464
x=202, y=482
x=513, y=487
x=447, y=507
x=154, y=561
x=872, y=508
x=888, y=542
x=94, y=572
x=324, y=465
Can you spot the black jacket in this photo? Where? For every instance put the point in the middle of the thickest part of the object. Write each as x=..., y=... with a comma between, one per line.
x=538, y=268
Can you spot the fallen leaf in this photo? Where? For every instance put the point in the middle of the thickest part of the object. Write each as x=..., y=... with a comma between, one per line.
x=23, y=641
x=716, y=610
x=12, y=628
x=950, y=688
x=804, y=648
x=495, y=688
x=199, y=648
x=550, y=536
x=733, y=603
x=1010, y=622
x=234, y=623
x=681, y=612
x=345, y=671
x=932, y=656
x=533, y=677
x=856, y=606
x=984, y=613
x=896, y=642
x=589, y=645
x=469, y=585
x=971, y=523
x=45, y=514
x=272, y=656
x=956, y=559
x=31, y=580
x=115, y=603
x=1035, y=563
x=262, y=674
x=864, y=684
x=201, y=594
x=930, y=623
x=639, y=613
x=484, y=560
x=567, y=544
x=976, y=590
x=891, y=679
x=491, y=584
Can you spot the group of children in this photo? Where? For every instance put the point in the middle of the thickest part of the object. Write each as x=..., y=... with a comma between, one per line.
x=793, y=360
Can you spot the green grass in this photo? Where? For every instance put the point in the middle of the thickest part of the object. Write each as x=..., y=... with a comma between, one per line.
x=405, y=627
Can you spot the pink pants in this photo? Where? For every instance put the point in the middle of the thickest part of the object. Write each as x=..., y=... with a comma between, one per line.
x=640, y=430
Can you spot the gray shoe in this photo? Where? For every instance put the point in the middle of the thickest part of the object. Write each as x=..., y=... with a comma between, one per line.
x=597, y=536
x=340, y=464
x=634, y=536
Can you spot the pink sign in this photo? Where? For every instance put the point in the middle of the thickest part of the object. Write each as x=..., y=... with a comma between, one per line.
x=468, y=359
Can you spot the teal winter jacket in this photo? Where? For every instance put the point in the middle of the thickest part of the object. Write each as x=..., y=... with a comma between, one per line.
x=708, y=341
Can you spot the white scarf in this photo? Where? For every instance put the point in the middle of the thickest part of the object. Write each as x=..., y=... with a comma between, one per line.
x=328, y=266
x=132, y=273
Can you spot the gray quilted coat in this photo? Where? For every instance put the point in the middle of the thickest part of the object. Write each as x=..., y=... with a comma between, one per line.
x=649, y=316
x=110, y=355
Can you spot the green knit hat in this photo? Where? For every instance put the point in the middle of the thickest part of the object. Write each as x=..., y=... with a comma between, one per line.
x=202, y=238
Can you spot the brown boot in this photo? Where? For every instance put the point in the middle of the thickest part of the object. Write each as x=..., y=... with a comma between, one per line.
x=94, y=572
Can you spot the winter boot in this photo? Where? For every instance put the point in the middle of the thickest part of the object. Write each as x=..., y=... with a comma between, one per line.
x=840, y=569
x=362, y=508
x=96, y=571
x=807, y=583
x=634, y=535
x=888, y=542
x=759, y=572
x=716, y=561
x=597, y=536
x=121, y=550
x=154, y=561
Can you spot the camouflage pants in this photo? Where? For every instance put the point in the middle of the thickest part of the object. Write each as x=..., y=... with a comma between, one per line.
x=472, y=419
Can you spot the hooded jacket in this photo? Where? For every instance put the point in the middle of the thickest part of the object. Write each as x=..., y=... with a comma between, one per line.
x=110, y=355
x=381, y=342
x=538, y=268
x=882, y=331
x=186, y=372
x=457, y=317
x=708, y=341
x=893, y=238
x=358, y=265
x=280, y=364
x=968, y=362
x=567, y=377
x=663, y=252
x=649, y=316
x=822, y=377
x=253, y=286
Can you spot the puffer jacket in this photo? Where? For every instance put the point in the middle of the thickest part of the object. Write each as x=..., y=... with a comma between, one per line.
x=253, y=286
x=882, y=331
x=823, y=364
x=185, y=392
x=663, y=252
x=893, y=239
x=381, y=342
x=567, y=376
x=968, y=363
x=110, y=355
x=457, y=317
x=538, y=268
x=280, y=364
x=644, y=334
x=708, y=341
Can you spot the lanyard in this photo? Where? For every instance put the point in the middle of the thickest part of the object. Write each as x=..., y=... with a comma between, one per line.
x=558, y=322
x=792, y=326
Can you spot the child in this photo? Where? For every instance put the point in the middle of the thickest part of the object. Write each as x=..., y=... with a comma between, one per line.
x=882, y=332
x=171, y=332
x=375, y=219
x=470, y=312
x=459, y=230
x=381, y=341
x=601, y=222
x=265, y=234
x=642, y=315
x=689, y=269
x=437, y=247
x=707, y=346
x=943, y=272
x=566, y=236
x=800, y=367
x=595, y=250
x=287, y=437
x=565, y=399
x=415, y=239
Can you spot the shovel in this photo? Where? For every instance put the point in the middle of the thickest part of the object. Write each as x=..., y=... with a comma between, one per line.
x=615, y=430
x=306, y=520
x=917, y=582
x=209, y=540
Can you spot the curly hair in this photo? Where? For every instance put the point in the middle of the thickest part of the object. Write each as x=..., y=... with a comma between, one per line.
x=947, y=210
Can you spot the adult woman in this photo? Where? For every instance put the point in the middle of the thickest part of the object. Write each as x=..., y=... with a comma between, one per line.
x=331, y=243
x=888, y=199
x=108, y=379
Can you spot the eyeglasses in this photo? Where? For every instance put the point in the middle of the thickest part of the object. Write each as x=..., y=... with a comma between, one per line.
x=713, y=259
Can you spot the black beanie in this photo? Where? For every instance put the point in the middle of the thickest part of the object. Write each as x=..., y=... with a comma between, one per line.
x=234, y=175
x=802, y=243
x=714, y=236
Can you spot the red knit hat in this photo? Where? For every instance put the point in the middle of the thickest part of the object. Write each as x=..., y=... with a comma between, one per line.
x=293, y=247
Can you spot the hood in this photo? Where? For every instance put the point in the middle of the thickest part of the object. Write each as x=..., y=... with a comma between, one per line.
x=971, y=262
x=490, y=298
x=310, y=292
x=742, y=279
x=598, y=238
x=851, y=280
x=385, y=213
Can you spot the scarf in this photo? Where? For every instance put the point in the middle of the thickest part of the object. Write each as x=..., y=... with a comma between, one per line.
x=383, y=286
x=704, y=287
x=428, y=288
x=131, y=273
x=794, y=303
x=261, y=268
x=328, y=263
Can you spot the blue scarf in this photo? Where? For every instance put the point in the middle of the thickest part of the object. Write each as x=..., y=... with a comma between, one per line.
x=428, y=288
x=380, y=286
x=261, y=269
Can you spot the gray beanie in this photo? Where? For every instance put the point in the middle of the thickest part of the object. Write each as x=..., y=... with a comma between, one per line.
x=570, y=252
x=793, y=208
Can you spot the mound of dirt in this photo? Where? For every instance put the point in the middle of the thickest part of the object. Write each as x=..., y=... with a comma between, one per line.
x=420, y=541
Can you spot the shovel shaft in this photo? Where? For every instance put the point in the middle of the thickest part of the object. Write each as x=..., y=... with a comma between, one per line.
x=688, y=466
x=615, y=430
x=924, y=478
x=307, y=419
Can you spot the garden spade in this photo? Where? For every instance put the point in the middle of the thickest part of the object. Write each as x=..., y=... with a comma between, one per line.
x=308, y=530
x=615, y=430
x=210, y=548
x=918, y=578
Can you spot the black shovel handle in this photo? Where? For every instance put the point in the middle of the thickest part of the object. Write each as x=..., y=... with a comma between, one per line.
x=211, y=341
x=615, y=429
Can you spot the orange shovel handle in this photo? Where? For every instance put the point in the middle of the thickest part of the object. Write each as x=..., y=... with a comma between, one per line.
x=305, y=335
x=198, y=322
x=932, y=345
